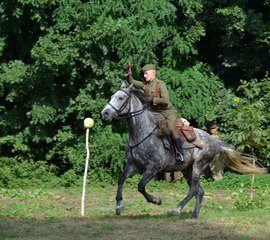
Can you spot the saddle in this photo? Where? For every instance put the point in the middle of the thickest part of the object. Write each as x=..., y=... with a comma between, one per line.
x=184, y=130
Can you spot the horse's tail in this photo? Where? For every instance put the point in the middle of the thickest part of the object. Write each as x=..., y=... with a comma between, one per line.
x=239, y=162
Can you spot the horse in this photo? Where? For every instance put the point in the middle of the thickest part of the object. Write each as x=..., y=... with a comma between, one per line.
x=149, y=155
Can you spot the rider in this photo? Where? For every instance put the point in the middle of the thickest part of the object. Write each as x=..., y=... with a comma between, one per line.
x=157, y=96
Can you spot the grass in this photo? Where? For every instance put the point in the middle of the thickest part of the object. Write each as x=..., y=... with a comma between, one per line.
x=43, y=213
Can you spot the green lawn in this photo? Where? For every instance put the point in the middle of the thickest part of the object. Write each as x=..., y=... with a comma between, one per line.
x=42, y=213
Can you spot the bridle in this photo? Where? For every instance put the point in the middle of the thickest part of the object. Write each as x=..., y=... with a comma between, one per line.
x=128, y=114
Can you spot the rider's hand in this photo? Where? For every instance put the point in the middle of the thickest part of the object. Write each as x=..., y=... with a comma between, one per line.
x=149, y=99
x=127, y=69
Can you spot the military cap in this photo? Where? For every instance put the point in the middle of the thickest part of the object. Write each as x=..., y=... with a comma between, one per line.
x=213, y=126
x=148, y=67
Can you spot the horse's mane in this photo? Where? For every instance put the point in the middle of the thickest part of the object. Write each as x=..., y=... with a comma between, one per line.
x=154, y=116
x=139, y=95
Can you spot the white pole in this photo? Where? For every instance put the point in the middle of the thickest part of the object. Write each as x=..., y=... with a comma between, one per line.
x=88, y=123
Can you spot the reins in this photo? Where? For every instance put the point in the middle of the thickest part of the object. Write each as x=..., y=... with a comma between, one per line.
x=131, y=115
x=137, y=144
x=128, y=114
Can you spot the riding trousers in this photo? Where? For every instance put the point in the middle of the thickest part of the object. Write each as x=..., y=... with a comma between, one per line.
x=171, y=124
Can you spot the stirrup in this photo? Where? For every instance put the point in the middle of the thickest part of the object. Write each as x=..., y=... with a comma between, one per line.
x=179, y=158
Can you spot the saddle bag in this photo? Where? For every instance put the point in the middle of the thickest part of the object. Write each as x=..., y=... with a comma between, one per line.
x=187, y=131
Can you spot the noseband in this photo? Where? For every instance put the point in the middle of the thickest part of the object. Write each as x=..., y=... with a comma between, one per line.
x=128, y=114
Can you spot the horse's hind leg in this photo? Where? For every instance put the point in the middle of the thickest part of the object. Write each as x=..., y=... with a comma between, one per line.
x=129, y=171
x=199, y=198
x=147, y=177
x=192, y=177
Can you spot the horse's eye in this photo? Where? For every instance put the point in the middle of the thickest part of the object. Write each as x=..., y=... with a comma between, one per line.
x=120, y=98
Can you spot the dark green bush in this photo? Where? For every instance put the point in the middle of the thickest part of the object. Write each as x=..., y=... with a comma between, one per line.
x=70, y=62
x=16, y=173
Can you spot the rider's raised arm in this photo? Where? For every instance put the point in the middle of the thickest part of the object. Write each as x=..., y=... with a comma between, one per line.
x=129, y=78
x=136, y=83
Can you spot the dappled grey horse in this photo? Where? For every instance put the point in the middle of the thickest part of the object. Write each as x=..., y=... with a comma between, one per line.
x=148, y=154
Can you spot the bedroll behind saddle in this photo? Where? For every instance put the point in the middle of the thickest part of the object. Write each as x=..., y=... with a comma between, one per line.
x=185, y=131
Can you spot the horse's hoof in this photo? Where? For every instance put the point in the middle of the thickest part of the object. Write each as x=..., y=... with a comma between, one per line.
x=156, y=200
x=174, y=212
x=159, y=201
x=119, y=210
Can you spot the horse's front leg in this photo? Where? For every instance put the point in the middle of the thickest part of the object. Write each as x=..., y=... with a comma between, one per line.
x=147, y=177
x=129, y=171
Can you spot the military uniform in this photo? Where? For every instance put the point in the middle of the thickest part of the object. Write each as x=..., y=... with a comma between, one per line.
x=157, y=96
x=161, y=102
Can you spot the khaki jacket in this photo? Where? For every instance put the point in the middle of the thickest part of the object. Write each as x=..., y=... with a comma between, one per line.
x=158, y=90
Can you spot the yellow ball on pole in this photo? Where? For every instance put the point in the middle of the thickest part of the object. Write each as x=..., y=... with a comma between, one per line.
x=88, y=122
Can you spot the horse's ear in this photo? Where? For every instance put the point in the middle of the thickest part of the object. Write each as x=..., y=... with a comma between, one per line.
x=130, y=87
x=123, y=85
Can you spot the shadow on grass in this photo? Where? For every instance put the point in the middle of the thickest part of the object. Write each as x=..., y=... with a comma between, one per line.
x=112, y=227
x=182, y=216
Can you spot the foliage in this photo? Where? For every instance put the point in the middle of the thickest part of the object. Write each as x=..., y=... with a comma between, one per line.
x=244, y=202
x=240, y=184
x=106, y=165
x=246, y=118
x=62, y=60
x=194, y=92
x=237, y=38
x=68, y=179
x=16, y=173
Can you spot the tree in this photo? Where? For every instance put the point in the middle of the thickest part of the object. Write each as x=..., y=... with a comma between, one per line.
x=246, y=124
x=236, y=42
x=62, y=59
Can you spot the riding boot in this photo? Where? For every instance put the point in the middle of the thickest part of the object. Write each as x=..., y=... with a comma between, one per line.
x=180, y=155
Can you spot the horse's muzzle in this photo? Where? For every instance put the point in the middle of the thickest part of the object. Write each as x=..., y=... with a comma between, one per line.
x=106, y=114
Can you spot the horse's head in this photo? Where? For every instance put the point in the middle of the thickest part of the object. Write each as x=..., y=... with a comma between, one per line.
x=119, y=104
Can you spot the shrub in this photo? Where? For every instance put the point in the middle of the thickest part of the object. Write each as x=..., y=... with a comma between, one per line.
x=245, y=201
x=24, y=173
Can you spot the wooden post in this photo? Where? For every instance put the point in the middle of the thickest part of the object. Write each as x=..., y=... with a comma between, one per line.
x=85, y=171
